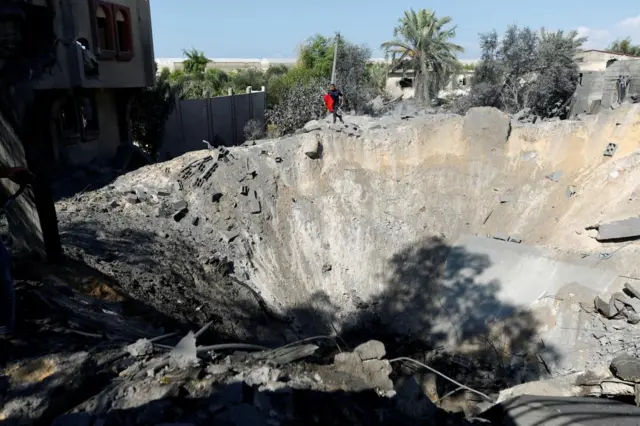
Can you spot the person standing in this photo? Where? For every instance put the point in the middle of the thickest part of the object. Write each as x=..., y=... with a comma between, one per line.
x=21, y=176
x=338, y=100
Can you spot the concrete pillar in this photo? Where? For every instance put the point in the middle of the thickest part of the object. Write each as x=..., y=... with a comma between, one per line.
x=263, y=89
x=249, y=89
x=230, y=91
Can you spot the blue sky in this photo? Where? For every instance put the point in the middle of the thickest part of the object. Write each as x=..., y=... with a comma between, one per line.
x=274, y=28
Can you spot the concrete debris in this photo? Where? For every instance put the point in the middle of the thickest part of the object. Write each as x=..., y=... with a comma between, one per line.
x=619, y=229
x=626, y=367
x=140, y=348
x=312, y=126
x=610, y=150
x=185, y=352
x=373, y=349
x=633, y=289
x=555, y=176
x=515, y=239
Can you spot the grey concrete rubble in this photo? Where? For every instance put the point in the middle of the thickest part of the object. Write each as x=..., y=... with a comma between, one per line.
x=619, y=229
x=253, y=390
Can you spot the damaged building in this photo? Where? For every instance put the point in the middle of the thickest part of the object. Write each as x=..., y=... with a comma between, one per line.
x=100, y=53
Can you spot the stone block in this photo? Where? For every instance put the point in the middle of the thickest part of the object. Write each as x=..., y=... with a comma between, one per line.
x=626, y=367
x=619, y=229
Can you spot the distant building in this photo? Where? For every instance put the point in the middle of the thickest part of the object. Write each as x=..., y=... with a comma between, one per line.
x=227, y=64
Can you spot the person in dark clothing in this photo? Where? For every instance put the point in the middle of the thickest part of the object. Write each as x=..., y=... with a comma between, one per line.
x=19, y=175
x=338, y=99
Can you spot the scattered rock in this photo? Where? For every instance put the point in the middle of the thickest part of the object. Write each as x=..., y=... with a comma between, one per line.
x=373, y=349
x=312, y=125
x=326, y=268
x=626, y=367
x=179, y=215
x=607, y=309
x=180, y=205
x=142, y=347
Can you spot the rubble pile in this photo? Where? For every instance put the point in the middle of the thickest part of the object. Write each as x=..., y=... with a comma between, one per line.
x=149, y=383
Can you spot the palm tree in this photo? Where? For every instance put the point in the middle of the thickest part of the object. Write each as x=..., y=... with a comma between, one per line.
x=422, y=43
x=625, y=47
x=196, y=61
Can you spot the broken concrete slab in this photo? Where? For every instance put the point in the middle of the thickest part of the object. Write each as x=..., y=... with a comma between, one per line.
x=626, y=367
x=515, y=239
x=607, y=309
x=633, y=289
x=610, y=150
x=619, y=229
x=500, y=236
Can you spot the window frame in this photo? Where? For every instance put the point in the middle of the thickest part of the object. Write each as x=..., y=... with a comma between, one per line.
x=123, y=55
x=104, y=54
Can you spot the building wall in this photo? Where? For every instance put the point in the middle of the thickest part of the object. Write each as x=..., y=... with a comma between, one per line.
x=602, y=86
x=108, y=139
x=589, y=90
x=597, y=60
x=73, y=21
x=219, y=120
x=617, y=69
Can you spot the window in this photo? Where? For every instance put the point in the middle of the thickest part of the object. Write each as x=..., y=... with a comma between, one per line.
x=78, y=118
x=123, y=33
x=104, y=31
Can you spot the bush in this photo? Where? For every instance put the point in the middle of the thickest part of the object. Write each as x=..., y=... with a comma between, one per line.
x=301, y=102
x=149, y=113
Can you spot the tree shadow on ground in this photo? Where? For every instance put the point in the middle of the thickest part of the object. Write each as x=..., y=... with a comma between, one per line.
x=436, y=309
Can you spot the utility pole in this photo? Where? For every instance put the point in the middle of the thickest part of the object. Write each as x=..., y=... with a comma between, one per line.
x=335, y=58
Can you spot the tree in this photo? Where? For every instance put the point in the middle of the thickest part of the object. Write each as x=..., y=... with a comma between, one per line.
x=422, y=43
x=150, y=111
x=196, y=61
x=526, y=69
x=317, y=54
x=625, y=47
x=377, y=74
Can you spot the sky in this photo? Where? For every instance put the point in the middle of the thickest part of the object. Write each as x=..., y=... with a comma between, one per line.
x=275, y=28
